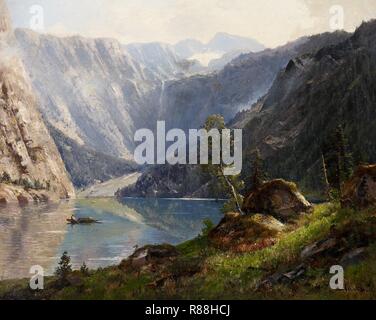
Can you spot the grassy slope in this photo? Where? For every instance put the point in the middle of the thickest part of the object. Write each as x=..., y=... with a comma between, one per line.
x=228, y=276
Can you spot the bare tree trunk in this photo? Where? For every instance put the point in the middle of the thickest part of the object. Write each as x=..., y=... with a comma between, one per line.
x=325, y=177
x=233, y=190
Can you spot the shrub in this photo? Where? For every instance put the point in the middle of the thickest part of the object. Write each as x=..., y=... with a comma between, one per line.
x=5, y=177
x=26, y=183
x=38, y=185
x=84, y=269
x=208, y=226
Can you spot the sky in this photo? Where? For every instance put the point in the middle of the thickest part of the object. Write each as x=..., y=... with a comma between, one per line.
x=271, y=22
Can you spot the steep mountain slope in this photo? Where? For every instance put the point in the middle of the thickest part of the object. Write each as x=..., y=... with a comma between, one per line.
x=28, y=155
x=186, y=103
x=87, y=166
x=91, y=89
x=309, y=99
x=96, y=93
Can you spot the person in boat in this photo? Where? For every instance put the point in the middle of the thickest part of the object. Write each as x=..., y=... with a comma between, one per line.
x=73, y=219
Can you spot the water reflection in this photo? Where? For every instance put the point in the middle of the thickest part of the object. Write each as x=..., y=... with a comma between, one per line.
x=29, y=236
x=37, y=235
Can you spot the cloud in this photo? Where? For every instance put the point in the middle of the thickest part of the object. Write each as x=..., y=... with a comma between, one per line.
x=272, y=22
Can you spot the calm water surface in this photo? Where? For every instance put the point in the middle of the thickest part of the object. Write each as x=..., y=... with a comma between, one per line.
x=38, y=235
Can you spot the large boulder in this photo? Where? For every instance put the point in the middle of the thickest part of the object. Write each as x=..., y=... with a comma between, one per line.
x=247, y=233
x=278, y=198
x=360, y=190
x=150, y=258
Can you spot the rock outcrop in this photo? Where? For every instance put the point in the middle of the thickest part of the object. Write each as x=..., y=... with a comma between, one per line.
x=150, y=258
x=360, y=190
x=245, y=233
x=30, y=164
x=277, y=198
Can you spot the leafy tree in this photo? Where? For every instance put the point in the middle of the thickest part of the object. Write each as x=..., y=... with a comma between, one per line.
x=230, y=185
x=64, y=268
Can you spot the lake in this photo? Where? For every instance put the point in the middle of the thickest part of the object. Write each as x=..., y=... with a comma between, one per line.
x=39, y=234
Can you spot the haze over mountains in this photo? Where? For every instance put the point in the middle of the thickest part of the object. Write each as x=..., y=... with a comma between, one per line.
x=223, y=47
x=98, y=92
x=95, y=93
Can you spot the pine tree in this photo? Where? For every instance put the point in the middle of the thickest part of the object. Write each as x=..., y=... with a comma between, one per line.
x=258, y=175
x=337, y=160
x=345, y=160
x=64, y=268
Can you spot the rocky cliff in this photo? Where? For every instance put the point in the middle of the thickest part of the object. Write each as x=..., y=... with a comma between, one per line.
x=30, y=164
x=99, y=92
x=90, y=89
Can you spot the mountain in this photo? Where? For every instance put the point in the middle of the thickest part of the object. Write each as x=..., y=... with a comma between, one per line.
x=97, y=92
x=30, y=165
x=87, y=166
x=92, y=90
x=223, y=48
x=310, y=97
x=187, y=48
x=224, y=42
x=187, y=103
x=162, y=60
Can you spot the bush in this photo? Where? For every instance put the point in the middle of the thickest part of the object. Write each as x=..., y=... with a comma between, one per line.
x=38, y=185
x=84, y=269
x=27, y=184
x=208, y=226
x=5, y=177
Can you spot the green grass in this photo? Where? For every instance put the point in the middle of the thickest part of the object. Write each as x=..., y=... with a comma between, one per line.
x=225, y=275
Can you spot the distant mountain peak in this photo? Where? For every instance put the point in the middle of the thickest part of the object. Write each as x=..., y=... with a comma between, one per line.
x=222, y=48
